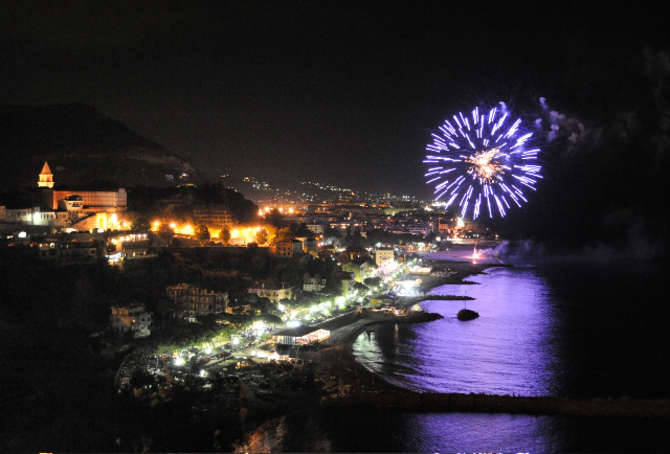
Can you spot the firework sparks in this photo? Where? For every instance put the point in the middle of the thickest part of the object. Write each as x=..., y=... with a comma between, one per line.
x=482, y=159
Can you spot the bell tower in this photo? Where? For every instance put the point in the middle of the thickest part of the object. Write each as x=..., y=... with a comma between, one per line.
x=46, y=178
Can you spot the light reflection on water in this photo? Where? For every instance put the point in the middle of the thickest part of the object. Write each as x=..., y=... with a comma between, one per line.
x=561, y=330
x=510, y=349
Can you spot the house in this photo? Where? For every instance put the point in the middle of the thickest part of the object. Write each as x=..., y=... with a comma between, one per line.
x=313, y=283
x=317, y=229
x=192, y=301
x=383, y=256
x=347, y=281
x=71, y=249
x=272, y=290
x=288, y=248
x=361, y=269
x=239, y=308
x=138, y=250
x=308, y=243
x=134, y=319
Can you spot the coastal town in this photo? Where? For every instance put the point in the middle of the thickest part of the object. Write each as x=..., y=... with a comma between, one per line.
x=332, y=227
x=242, y=311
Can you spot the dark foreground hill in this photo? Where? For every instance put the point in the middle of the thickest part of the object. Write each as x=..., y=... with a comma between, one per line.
x=83, y=147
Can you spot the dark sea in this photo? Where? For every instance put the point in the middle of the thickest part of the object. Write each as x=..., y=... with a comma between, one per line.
x=578, y=330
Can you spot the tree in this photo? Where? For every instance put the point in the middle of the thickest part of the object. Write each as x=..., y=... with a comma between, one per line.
x=275, y=218
x=372, y=281
x=225, y=235
x=202, y=232
x=141, y=224
x=284, y=234
x=165, y=233
x=261, y=237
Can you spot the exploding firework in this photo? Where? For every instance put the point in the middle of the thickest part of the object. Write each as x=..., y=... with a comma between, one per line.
x=482, y=159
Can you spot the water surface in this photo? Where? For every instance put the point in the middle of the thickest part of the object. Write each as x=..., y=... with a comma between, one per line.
x=568, y=330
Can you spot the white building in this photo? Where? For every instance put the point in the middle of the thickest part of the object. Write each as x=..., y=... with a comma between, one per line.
x=303, y=335
x=383, y=255
x=272, y=290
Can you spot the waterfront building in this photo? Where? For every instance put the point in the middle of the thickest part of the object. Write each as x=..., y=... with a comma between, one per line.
x=302, y=335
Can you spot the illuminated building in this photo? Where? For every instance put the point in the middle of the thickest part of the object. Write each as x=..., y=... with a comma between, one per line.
x=194, y=301
x=444, y=227
x=272, y=290
x=46, y=178
x=81, y=209
x=302, y=335
x=132, y=246
x=70, y=249
x=89, y=200
x=383, y=256
x=74, y=200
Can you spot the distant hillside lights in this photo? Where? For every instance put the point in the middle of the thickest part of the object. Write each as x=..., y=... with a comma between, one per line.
x=262, y=212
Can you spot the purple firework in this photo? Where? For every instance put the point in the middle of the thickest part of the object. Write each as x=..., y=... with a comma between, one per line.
x=482, y=159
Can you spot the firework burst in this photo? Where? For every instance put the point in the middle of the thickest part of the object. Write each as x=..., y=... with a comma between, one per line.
x=483, y=161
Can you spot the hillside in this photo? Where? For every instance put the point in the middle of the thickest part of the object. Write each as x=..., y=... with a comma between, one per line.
x=83, y=147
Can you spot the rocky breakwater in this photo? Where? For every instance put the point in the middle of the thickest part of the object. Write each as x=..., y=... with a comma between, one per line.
x=400, y=399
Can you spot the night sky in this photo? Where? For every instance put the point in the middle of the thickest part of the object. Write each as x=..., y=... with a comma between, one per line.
x=295, y=90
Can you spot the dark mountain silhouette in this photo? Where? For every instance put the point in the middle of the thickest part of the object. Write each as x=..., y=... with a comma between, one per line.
x=83, y=147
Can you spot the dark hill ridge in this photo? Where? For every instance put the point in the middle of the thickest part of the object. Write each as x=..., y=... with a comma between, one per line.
x=83, y=147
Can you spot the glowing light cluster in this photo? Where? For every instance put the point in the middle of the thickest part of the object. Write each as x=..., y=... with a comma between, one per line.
x=283, y=210
x=110, y=221
x=238, y=235
x=482, y=162
x=130, y=238
x=180, y=229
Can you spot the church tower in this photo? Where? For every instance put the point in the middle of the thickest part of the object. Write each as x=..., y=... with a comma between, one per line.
x=46, y=178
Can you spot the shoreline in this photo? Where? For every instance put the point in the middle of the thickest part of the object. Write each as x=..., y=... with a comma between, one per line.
x=341, y=382
x=337, y=359
x=356, y=386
